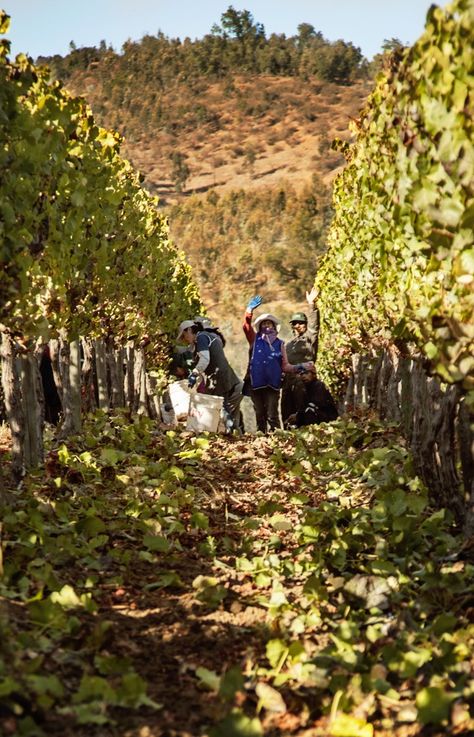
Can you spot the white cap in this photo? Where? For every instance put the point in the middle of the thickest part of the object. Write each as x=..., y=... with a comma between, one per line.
x=267, y=316
x=183, y=326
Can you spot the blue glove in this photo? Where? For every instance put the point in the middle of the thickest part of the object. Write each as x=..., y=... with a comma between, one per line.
x=254, y=302
x=300, y=369
x=192, y=379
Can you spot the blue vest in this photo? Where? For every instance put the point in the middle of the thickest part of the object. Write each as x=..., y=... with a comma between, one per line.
x=265, y=363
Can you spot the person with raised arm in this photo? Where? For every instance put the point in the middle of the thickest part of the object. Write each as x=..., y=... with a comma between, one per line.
x=302, y=347
x=267, y=364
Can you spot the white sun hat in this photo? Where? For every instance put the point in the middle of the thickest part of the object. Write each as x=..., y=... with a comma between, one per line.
x=267, y=316
x=184, y=326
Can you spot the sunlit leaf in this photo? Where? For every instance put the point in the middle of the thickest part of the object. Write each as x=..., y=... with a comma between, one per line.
x=66, y=597
x=237, y=724
x=209, y=678
x=269, y=698
x=433, y=705
x=345, y=725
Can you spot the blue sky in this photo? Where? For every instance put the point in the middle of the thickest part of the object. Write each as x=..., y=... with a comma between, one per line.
x=45, y=27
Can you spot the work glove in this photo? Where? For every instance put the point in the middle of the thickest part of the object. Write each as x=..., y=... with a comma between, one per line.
x=254, y=302
x=302, y=368
x=192, y=379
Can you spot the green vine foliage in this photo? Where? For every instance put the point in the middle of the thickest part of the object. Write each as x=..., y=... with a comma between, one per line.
x=83, y=248
x=400, y=263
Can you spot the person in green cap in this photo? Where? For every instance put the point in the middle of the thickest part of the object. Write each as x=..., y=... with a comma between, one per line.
x=303, y=347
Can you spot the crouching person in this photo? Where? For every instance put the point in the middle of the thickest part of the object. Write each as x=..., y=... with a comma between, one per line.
x=319, y=405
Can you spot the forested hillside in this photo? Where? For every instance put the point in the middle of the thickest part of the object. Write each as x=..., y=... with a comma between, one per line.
x=232, y=109
x=234, y=133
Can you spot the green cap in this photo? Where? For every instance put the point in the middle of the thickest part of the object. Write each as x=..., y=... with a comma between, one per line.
x=298, y=317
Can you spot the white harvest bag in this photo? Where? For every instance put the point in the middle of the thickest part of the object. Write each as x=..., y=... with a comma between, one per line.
x=180, y=396
x=204, y=412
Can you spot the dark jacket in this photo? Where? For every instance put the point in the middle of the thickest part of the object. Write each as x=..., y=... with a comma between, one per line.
x=320, y=406
x=220, y=376
x=304, y=347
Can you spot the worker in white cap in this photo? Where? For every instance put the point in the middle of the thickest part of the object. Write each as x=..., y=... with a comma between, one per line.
x=212, y=366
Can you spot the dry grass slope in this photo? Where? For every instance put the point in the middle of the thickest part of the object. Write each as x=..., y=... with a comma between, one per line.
x=259, y=136
x=251, y=132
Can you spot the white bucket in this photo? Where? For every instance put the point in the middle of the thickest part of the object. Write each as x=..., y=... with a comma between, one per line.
x=204, y=412
x=180, y=396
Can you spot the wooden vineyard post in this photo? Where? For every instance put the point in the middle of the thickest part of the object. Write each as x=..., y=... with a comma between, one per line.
x=129, y=386
x=101, y=374
x=33, y=410
x=71, y=380
x=12, y=392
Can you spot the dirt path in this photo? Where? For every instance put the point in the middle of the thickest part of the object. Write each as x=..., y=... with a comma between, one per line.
x=166, y=585
x=170, y=634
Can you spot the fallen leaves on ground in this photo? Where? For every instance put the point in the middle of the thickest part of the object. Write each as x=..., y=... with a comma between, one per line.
x=162, y=584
